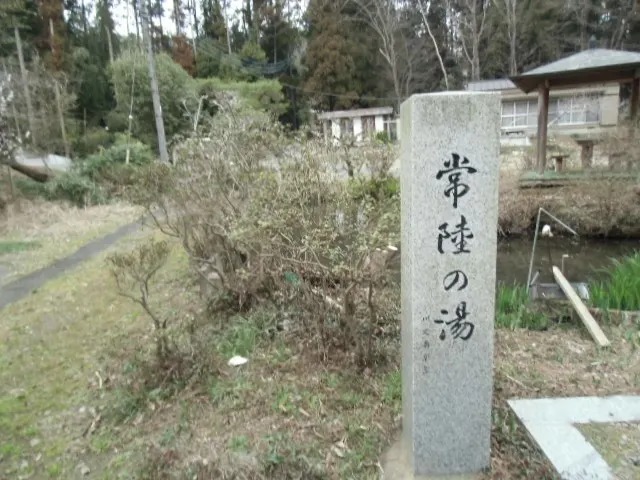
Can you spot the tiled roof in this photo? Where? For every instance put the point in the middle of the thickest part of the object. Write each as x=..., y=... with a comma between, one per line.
x=596, y=65
x=587, y=59
x=490, y=85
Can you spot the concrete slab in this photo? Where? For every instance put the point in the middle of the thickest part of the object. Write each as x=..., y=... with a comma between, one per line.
x=550, y=421
x=20, y=288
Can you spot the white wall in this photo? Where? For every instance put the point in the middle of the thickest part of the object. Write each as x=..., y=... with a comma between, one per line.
x=379, y=119
x=357, y=128
x=335, y=130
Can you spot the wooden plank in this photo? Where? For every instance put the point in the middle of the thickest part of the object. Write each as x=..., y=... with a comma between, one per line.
x=594, y=329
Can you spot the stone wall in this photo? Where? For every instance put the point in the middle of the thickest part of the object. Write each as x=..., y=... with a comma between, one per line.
x=524, y=158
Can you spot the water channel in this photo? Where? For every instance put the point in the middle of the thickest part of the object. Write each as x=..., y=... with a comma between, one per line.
x=587, y=257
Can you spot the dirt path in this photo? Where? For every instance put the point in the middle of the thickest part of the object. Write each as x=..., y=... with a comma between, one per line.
x=24, y=286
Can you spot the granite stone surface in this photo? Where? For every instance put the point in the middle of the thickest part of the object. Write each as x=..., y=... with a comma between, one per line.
x=449, y=171
x=551, y=422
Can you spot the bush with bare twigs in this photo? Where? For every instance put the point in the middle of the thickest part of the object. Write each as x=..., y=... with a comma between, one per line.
x=265, y=216
x=133, y=273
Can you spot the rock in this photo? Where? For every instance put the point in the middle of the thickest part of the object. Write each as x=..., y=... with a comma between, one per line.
x=20, y=393
x=635, y=461
x=34, y=442
x=237, y=360
x=84, y=470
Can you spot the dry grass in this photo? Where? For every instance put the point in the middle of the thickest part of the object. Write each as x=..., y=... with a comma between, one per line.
x=281, y=414
x=560, y=362
x=607, y=207
x=52, y=344
x=619, y=445
x=564, y=361
x=57, y=229
x=285, y=414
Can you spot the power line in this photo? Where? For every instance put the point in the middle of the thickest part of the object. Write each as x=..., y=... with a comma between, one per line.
x=339, y=95
x=256, y=68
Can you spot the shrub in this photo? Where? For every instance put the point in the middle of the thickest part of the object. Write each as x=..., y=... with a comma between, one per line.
x=265, y=95
x=74, y=188
x=110, y=164
x=514, y=309
x=175, y=86
x=30, y=188
x=133, y=272
x=274, y=219
x=383, y=137
x=212, y=61
x=92, y=141
x=376, y=188
x=69, y=187
x=620, y=290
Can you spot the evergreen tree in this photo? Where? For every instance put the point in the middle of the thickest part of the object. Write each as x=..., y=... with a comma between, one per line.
x=213, y=21
x=53, y=33
x=22, y=14
x=332, y=57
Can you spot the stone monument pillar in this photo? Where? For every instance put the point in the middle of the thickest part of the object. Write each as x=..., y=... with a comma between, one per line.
x=449, y=193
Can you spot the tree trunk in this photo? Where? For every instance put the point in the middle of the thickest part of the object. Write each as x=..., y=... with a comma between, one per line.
x=25, y=86
x=109, y=44
x=136, y=15
x=177, y=16
x=13, y=107
x=155, y=93
x=63, y=131
x=513, y=60
x=424, y=11
x=34, y=173
x=195, y=18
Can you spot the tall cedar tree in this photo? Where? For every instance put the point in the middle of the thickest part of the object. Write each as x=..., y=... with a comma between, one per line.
x=339, y=56
x=52, y=14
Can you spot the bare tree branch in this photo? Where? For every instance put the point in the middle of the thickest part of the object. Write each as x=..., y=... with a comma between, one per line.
x=424, y=11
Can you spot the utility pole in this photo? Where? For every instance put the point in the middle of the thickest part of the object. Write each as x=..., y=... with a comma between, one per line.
x=155, y=93
x=13, y=106
x=109, y=43
x=25, y=86
x=63, y=130
x=226, y=24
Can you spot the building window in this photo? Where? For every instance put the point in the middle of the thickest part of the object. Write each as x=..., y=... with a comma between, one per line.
x=368, y=126
x=346, y=127
x=326, y=129
x=391, y=127
x=574, y=110
x=519, y=114
x=577, y=110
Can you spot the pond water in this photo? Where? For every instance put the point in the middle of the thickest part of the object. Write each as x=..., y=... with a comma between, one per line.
x=586, y=257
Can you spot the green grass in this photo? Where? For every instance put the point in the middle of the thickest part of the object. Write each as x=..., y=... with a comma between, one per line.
x=278, y=416
x=620, y=288
x=52, y=344
x=8, y=247
x=514, y=309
